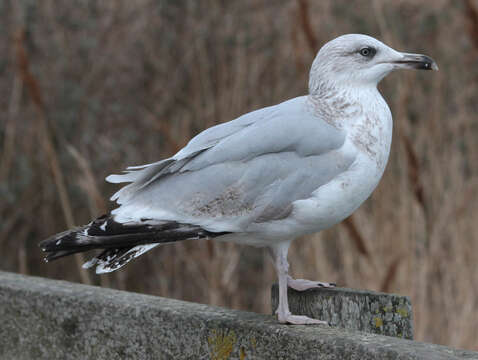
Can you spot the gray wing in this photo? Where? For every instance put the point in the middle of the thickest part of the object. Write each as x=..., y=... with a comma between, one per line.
x=249, y=170
x=142, y=175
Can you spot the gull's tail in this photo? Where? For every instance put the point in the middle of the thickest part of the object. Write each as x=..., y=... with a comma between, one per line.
x=120, y=242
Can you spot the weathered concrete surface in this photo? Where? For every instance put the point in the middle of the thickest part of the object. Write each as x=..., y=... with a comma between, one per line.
x=369, y=311
x=47, y=319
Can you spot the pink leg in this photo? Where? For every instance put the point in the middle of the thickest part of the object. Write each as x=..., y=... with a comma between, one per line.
x=282, y=266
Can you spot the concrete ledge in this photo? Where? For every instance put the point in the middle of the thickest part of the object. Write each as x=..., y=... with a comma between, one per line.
x=369, y=311
x=47, y=319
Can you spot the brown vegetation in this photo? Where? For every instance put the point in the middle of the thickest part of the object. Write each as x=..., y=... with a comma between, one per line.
x=89, y=87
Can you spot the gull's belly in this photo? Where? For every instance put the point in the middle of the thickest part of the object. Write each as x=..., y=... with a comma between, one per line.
x=328, y=205
x=338, y=199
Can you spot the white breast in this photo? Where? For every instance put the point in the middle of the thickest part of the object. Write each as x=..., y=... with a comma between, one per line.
x=369, y=132
x=368, y=139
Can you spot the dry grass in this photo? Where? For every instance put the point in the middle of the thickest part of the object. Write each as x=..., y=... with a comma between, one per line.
x=90, y=87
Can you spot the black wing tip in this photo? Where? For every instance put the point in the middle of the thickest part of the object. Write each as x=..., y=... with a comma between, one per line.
x=107, y=234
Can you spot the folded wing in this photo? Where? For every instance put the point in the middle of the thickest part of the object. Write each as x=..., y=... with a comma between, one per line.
x=249, y=170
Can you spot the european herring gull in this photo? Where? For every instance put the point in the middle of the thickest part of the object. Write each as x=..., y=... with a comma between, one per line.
x=265, y=178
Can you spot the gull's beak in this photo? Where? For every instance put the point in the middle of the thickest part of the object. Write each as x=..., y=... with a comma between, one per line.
x=415, y=61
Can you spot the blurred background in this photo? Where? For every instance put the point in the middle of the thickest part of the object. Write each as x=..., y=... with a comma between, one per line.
x=90, y=87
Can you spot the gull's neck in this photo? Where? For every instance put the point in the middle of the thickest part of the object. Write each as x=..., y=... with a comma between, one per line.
x=361, y=111
x=341, y=105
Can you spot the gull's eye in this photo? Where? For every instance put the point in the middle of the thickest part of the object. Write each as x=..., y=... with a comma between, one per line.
x=367, y=52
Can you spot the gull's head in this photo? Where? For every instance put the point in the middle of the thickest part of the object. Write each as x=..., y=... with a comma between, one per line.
x=356, y=60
